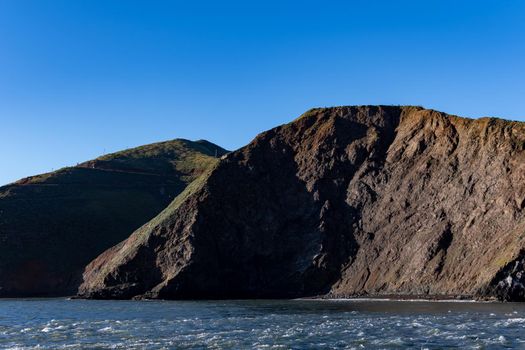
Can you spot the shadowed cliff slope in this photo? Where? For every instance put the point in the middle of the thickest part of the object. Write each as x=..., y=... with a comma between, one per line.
x=342, y=201
x=52, y=225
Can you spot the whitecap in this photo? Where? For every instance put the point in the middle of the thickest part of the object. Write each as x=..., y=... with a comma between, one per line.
x=514, y=320
x=106, y=329
x=396, y=341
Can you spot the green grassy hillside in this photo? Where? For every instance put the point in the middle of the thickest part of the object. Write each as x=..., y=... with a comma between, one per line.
x=52, y=225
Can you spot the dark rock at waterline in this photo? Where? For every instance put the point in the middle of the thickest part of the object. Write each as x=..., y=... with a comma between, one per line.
x=509, y=282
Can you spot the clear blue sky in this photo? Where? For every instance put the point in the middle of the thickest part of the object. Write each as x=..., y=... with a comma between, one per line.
x=80, y=77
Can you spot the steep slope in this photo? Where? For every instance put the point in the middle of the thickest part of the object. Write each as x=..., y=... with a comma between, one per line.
x=52, y=225
x=342, y=201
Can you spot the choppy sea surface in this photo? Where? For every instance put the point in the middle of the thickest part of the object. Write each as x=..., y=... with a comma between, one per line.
x=260, y=324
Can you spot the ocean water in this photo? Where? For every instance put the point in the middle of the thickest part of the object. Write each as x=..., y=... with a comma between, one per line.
x=261, y=324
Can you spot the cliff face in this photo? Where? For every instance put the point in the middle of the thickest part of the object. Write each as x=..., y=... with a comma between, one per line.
x=53, y=224
x=342, y=201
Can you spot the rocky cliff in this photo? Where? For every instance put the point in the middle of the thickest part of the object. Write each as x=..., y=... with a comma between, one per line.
x=368, y=200
x=53, y=224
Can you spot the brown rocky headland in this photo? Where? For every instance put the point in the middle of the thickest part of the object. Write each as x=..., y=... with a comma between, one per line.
x=345, y=201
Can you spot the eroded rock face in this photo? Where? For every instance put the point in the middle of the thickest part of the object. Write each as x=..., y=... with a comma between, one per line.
x=343, y=201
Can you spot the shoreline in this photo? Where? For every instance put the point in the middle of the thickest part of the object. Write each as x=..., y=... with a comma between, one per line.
x=325, y=297
x=405, y=297
x=394, y=298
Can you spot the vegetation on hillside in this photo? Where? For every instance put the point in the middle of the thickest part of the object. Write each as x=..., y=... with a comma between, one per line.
x=52, y=225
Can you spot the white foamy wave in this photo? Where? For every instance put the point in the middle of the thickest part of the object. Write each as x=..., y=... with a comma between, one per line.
x=106, y=329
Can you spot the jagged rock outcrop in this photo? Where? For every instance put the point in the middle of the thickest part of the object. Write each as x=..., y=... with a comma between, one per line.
x=345, y=201
x=52, y=225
